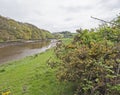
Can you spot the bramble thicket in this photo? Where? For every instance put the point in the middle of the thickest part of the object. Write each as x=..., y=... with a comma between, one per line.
x=91, y=61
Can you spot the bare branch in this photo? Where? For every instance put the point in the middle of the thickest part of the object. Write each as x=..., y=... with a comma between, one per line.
x=103, y=21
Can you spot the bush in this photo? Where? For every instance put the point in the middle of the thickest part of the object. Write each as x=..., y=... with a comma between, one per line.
x=91, y=62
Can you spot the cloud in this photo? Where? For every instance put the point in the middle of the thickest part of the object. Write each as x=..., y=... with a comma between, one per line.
x=60, y=15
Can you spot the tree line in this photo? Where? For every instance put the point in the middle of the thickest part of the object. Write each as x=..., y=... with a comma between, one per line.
x=11, y=30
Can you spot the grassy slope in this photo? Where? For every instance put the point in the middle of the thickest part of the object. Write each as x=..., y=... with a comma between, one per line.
x=32, y=76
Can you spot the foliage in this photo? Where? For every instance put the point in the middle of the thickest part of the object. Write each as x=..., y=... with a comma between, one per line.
x=91, y=61
x=63, y=34
x=11, y=30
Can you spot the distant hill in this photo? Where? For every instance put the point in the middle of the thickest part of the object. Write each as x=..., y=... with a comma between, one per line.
x=63, y=34
x=11, y=30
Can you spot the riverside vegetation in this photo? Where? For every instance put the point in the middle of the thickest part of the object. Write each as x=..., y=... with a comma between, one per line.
x=87, y=65
x=11, y=30
x=91, y=62
x=33, y=76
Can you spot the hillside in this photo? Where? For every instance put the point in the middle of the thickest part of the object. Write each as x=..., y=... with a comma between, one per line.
x=63, y=34
x=11, y=30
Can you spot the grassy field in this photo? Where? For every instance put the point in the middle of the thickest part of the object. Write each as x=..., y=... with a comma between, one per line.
x=32, y=76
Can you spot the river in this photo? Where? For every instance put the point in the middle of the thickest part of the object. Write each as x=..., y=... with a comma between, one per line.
x=18, y=50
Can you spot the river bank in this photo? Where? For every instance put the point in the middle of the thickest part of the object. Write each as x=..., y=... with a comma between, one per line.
x=32, y=76
x=10, y=43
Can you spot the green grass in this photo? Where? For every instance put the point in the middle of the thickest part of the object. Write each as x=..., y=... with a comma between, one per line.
x=66, y=40
x=32, y=76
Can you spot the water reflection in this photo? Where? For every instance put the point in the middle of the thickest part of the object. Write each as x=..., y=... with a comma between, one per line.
x=14, y=52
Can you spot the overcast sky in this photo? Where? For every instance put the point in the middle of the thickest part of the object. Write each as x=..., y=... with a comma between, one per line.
x=60, y=15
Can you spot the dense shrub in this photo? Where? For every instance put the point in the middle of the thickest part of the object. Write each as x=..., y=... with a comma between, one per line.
x=91, y=61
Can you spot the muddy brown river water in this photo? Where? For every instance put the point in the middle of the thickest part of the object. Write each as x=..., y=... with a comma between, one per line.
x=14, y=51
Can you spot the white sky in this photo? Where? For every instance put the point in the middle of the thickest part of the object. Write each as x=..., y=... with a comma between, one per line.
x=60, y=15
